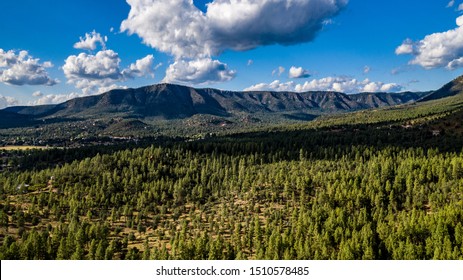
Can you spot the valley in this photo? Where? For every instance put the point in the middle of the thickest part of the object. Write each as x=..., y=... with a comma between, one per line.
x=355, y=182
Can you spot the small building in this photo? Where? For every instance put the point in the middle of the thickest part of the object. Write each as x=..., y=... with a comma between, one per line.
x=436, y=132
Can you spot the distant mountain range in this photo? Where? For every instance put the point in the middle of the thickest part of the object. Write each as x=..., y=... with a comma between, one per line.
x=169, y=101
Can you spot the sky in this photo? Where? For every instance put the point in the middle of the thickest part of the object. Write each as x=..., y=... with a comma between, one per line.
x=52, y=51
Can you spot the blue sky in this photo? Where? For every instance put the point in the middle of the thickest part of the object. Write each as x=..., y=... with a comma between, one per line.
x=51, y=51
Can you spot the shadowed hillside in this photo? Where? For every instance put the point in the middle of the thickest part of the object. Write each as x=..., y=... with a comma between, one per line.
x=176, y=102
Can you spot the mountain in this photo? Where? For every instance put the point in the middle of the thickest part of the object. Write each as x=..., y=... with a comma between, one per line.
x=382, y=99
x=453, y=88
x=12, y=119
x=178, y=102
x=175, y=109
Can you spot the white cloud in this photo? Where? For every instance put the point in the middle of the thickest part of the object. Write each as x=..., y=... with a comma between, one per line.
x=142, y=67
x=273, y=86
x=179, y=28
x=247, y=24
x=338, y=84
x=371, y=87
x=37, y=94
x=90, y=72
x=456, y=63
x=298, y=73
x=6, y=101
x=60, y=98
x=98, y=73
x=250, y=62
x=460, y=21
x=10, y=58
x=103, y=65
x=437, y=50
x=176, y=26
x=200, y=71
x=460, y=7
x=381, y=87
x=451, y=3
x=54, y=98
x=391, y=87
x=22, y=69
x=348, y=85
x=280, y=70
x=90, y=41
x=407, y=47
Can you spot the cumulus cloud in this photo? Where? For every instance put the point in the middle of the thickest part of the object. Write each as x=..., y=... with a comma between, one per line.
x=90, y=72
x=179, y=28
x=381, y=87
x=407, y=47
x=6, y=101
x=338, y=84
x=348, y=85
x=273, y=86
x=250, y=62
x=103, y=65
x=391, y=87
x=23, y=69
x=456, y=63
x=37, y=94
x=298, y=73
x=200, y=71
x=436, y=50
x=90, y=41
x=54, y=98
x=99, y=73
x=247, y=24
x=44, y=99
x=142, y=67
x=460, y=21
x=176, y=27
x=460, y=7
x=451, y=3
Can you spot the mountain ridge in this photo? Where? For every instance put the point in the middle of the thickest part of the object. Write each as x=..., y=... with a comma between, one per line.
x=169, y=109
x=176, y=101
x=198, y=107
x=450, y=89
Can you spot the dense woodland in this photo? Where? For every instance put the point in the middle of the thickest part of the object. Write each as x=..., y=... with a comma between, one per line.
x=385, y=184
x=351, y=192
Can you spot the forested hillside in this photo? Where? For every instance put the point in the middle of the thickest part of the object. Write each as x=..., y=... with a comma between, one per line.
x=361, y=193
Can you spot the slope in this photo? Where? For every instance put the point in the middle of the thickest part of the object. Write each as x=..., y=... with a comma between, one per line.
x=452, y=88
x=177, y=102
